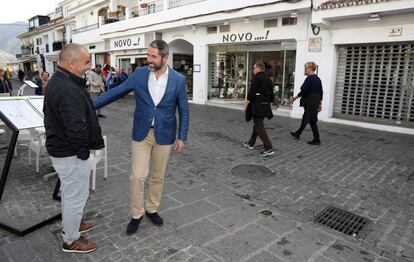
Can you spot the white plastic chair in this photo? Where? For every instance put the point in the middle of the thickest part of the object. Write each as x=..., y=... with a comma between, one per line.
x=37, y=145
x=23, y=139
x=96, y=156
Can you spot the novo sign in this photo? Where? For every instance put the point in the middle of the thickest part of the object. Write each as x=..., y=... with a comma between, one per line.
x=131, y=42
x=244, y=37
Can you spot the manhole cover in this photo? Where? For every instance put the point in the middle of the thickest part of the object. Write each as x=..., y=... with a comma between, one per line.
x=265, y=212
x=251, y=171
x=342, y=221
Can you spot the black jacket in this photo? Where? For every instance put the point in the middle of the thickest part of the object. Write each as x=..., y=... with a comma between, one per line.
x=4, y=86
x=311, y=92
x=311, y=95
x=39, y=90
x=261, y=95
x=72, y=128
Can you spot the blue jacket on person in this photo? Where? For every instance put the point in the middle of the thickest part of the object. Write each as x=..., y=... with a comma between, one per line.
x=164, y=114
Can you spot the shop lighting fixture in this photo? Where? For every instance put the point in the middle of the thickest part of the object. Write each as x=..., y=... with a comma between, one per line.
x=193, y=27
x=374, y=17
x=226, y=23
x=294, y=14
x=246, y=20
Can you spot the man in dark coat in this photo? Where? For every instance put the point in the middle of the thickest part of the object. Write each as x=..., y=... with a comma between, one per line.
x=72, y=131
x=311, y=94
x=259, y=99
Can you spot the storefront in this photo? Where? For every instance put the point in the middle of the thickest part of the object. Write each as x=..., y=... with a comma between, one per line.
x=223, y=55
x=374, y=83
x=231, y=68
x=128, y=52
x=183, y=64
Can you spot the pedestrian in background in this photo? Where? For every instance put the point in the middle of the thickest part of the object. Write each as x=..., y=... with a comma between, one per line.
x=41, y=83
x=310, y=95
x=72, y=130
x=8, y=76
x=96, y=85
x=20, y=75
x=260, y=98
x=4, y=85
x=122, y=76
x=112, y=80
x=159, y=90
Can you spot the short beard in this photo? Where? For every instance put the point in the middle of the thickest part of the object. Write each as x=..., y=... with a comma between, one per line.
x=156, y=68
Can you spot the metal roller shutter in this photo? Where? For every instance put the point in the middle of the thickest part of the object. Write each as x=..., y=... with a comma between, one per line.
x=375, y=83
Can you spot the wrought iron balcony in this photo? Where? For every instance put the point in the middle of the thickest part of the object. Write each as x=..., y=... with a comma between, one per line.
x=58, y=45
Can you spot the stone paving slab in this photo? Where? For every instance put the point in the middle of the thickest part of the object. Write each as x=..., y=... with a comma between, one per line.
x=211, y=215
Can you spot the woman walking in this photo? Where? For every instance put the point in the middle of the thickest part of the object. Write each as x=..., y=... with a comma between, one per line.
x=311, y=94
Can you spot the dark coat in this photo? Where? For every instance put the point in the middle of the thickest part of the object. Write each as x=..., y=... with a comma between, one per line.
x=39, y=89
x=72, y=128
x=261, y=95
x=4, y=86
x=311, y=95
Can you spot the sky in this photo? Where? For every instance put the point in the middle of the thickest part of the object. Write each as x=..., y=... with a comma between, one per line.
x=22, y=10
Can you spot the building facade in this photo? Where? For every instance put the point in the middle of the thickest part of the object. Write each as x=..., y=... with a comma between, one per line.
x=364, y=50
x=41, y=44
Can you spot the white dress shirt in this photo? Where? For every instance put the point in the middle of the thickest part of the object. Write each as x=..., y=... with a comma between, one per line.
x=157, y=87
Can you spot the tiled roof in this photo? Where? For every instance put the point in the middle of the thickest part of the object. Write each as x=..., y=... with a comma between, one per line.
x=331, y=4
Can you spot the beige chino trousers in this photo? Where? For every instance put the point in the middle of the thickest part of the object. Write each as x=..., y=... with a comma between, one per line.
x=148, y=157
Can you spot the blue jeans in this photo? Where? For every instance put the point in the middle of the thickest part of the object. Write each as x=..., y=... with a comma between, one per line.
x=74, y=177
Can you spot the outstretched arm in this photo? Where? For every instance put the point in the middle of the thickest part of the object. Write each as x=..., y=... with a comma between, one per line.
x=115, y=93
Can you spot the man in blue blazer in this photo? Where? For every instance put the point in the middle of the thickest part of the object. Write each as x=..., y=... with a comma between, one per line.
x=159, y=91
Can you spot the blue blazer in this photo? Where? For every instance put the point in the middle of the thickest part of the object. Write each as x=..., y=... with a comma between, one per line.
x=165, y=122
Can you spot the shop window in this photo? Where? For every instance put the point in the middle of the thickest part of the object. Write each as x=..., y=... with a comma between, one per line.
x=280, y=67
x=151, y=8
x=224, y=28
x=38, y=41
x=270, y=23
x=183, y=63
x=211, y=29
x=289, y=21
x=228, y=75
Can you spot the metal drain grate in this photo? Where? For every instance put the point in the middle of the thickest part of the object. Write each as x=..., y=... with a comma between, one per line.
x=251, y=171
x=342, y=221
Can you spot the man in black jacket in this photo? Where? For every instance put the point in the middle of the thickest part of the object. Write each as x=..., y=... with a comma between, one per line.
x=72, y=130
x=260, y=97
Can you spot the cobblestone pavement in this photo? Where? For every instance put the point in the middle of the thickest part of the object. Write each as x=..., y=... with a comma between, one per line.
x=213, y=215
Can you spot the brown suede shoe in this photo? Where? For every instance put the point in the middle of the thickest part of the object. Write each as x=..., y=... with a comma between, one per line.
x=82, y=245
x=85, y=227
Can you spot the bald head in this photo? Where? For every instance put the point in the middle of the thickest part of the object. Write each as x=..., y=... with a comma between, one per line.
x=75, y=59
x=71, y=52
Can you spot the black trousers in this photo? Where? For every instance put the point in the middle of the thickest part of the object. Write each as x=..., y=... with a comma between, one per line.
x=314, y=127
x=259, y=130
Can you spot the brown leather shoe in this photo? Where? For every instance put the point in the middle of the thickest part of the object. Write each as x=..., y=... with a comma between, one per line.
x=82, y=245
x=85, y=227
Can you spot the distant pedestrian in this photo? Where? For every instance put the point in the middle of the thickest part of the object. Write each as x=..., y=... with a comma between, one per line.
x=20, y=74
x=122, y=76
x=41, y=83
x=260, y=98
x=7, y=76
x=311, y=95
x=72, y=131
x=112, y=80
x=4, y=85
x=96, y=85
